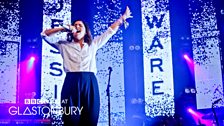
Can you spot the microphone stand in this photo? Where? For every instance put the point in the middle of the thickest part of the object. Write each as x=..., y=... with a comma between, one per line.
x=215, y=116
x=108, y=93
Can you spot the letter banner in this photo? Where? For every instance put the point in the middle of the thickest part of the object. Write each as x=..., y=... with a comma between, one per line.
x=52, y=64
x=157, y=56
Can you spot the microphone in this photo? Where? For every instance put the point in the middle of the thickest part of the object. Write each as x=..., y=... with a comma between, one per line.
x=110, y=69
x=67, y=28
x=216, y=101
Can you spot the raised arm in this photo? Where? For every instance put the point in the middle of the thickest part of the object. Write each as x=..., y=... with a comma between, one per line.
x=58, y=29
x=53, y=30
x=46, y=35
x=122, y=19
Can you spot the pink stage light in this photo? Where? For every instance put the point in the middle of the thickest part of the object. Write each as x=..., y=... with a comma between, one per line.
x=186, y=57
x=190, y=63
x=193, y=113
x=31, y=62
x=27, y=77
x=190, y=110
x=32, y=58
x=197, y=116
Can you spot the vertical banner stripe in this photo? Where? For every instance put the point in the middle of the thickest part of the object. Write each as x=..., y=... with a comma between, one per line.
x=52, y=75
x=110, y=55
x=10, y=42
x=206, y=53
x=157, y=56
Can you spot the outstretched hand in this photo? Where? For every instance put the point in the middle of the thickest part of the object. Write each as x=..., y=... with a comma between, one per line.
x=127, y=14
x=122, y=20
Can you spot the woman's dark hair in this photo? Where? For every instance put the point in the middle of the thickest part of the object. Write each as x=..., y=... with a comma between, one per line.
x=87, y=37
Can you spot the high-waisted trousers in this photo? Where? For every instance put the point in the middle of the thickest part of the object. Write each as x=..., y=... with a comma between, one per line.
x=80, y=98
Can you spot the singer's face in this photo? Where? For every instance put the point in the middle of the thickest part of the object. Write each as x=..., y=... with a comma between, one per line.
x=80, y=30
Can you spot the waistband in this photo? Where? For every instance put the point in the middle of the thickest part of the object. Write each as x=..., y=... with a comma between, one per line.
x=80, y=73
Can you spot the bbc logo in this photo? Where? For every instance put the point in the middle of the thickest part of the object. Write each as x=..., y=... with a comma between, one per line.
x=33, y=101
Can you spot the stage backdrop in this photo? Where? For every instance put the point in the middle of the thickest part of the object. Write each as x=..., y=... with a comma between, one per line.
x=157, y=55
x=10, y=41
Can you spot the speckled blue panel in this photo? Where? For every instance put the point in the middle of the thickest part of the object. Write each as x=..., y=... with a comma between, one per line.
x=206, y=53
x=9, y=50
x=110, y=55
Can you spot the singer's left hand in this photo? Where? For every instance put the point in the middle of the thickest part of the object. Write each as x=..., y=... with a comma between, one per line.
x=127, y=14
